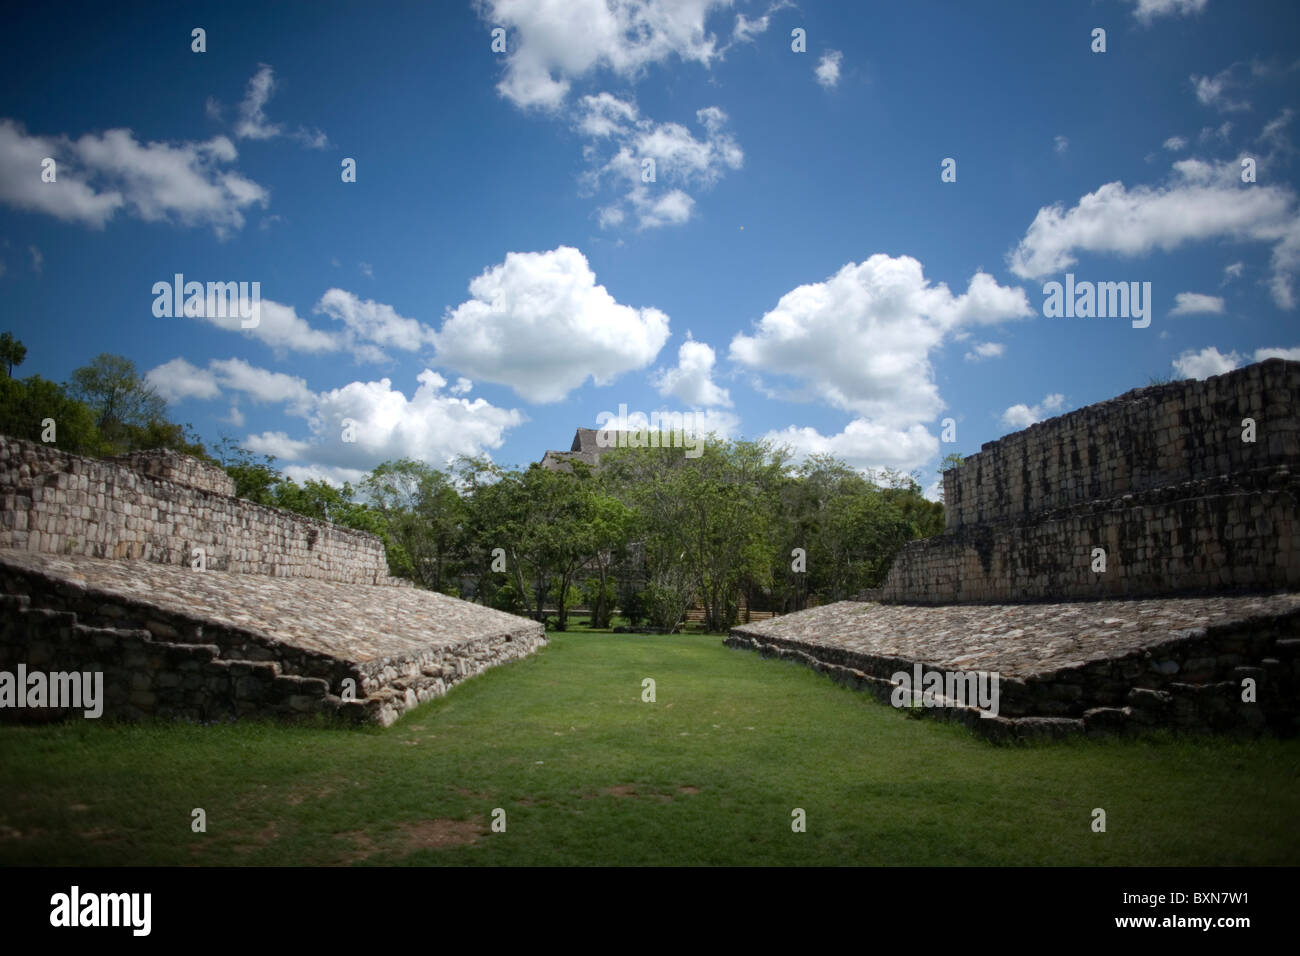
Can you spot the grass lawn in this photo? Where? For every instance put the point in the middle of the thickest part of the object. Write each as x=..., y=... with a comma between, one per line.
x=587, y=773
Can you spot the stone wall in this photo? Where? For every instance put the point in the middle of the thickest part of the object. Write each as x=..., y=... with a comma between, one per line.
x=179, y=469
x=1160, y=478
x=1144, y=439
x=56, y=503
x=143, y=676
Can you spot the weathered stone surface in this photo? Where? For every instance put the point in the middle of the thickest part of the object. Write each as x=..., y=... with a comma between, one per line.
x=1159, y=478
x=176, y=505
x=264, y=644
x=1197, y=526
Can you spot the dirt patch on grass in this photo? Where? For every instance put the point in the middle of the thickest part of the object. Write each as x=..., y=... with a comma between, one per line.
x=254, y=841
x=298, y=796
x=437, y=834
x=688, y=789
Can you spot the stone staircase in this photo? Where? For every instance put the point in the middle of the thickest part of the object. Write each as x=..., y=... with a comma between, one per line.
x=1081, y=667
x=210, y=646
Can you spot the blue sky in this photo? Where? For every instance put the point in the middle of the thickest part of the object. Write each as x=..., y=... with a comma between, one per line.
x=501, y=271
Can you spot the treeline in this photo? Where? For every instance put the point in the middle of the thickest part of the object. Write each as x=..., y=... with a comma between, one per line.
x=648, y=535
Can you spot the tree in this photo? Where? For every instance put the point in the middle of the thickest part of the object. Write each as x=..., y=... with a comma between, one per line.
x=129, y=413
x=12, y=352
x=424, y=513
x=25, y=405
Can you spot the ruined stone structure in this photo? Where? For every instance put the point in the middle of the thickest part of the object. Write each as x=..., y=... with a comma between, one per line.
x=1160, y=478
x=1199, y=529
x=285, y=615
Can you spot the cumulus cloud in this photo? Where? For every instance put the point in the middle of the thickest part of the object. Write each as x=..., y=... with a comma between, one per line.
x=1232, y=271
x=862, y=444
x=1061, y=144
x=1210, y=361
x=861, y=342
x=436, y=424
x=1148, y=10
x=553, y=44
x=828, y=69
x=1022, y=416
x=185, y=183
x=986, y=350
x=861, y=339
x=1194, y=303
x=697, y=421
x=626, y=147
x=1201, y=201
x=692, y=380
x=1175, y=143
x=539, y=323
x=370, y=321
x=1205, y=363
x=177, y=380
x=279, y=326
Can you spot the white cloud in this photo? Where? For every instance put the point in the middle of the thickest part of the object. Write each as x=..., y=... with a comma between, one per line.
x=554, y=43
x=985, y=350
x=861, y=339
x=1061, y=144
x=861, y=342
x=1201, y=201
x=828, y=69
x=1148, y=10
x=1022, y=416
x=252, y=122
x=692, y=380
x=38, y=260
x=1205, y=363
x=370, y=321
x=263, y=386
x=1194, y=303
x=1291, y=355
x=279, y=326
x=863, y=444
x=746, y=29
x=435, y=424
x=539, y=323
x=1213, y=91
x=178, y=379
x=98, y=175
x=623, y=142
x=1232, y=271
x=1175, y=143
x=697, y=421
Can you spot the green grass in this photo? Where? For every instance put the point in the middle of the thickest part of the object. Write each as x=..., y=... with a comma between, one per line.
x=587, y=773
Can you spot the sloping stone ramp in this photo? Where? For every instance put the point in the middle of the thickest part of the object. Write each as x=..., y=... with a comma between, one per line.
x=207, y=645
x=1068, y=668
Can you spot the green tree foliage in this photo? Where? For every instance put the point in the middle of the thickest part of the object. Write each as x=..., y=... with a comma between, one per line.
x=12, y=352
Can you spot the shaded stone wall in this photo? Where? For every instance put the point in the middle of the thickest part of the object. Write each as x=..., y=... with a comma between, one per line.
x=179, y=469
x=56, y=503
x=1144, y=439
x=1159, y=478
